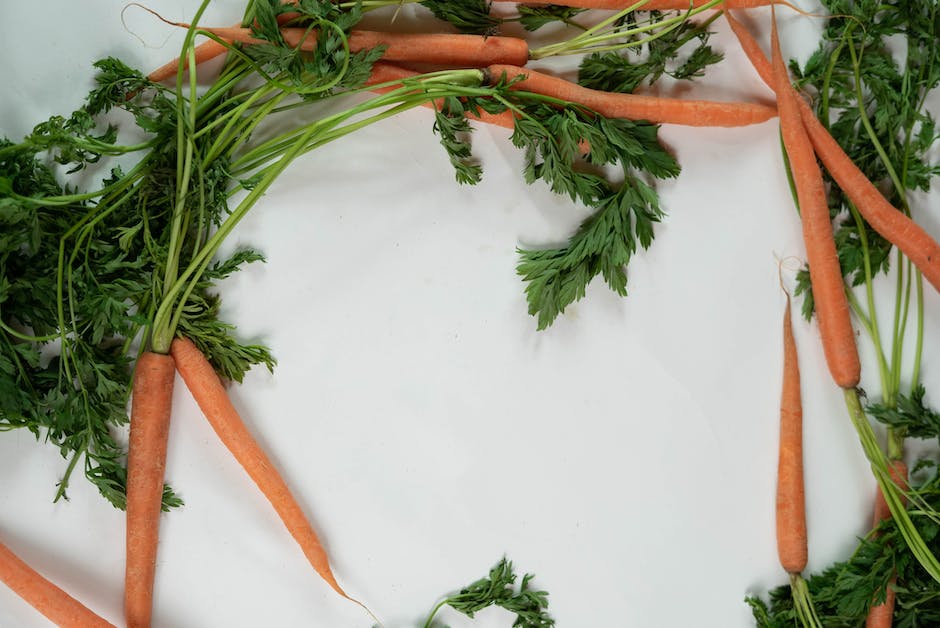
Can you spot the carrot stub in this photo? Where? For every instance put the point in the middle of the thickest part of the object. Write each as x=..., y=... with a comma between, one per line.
x=151, y=402
x=832, y=306
x=55, y=604
x=210, y=395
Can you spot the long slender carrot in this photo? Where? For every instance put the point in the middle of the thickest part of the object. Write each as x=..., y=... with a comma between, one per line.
x=791, y=502
x=652, y=5
x=151, y=402
x=210, y=395
x=832, y=307
x=892, y=224
x=55, y=604
x=431, y=48
x=636, y=107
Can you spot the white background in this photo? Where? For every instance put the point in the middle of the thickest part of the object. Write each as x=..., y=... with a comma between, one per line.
x=626, y=456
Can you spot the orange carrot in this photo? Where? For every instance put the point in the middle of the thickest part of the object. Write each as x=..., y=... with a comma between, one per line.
x=436, y=49
x=898, y=470
x=387, y=72
x=636, y=107
x=209, y=49
x=58, y=606
x=653, y=5
x=151, y=401
x=893, y=225
x=791, y=503
x=210, y=395
x=882, y=615
x=832, y=307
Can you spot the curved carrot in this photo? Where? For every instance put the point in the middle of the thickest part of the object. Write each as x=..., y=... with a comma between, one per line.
x=832, y=307
x=791, y=502
x=151, y=401
x=634, y=106
x=55, y=604
x=210, y=395
x=890, y=223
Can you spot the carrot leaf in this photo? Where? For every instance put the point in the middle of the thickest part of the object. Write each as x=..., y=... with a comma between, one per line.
x=529, y=606
x=625, y=212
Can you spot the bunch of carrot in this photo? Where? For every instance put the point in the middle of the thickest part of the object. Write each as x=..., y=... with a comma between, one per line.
x=502, y=59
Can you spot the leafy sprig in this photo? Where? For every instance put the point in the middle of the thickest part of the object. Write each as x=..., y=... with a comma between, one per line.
x=529, y=606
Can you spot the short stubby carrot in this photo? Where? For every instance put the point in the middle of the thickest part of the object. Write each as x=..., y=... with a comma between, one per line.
x=633, y=106
x=55, y=604
x=210, y=395
x=151, y=402
x=832, y=306
x=890, y=223
x=792, y=546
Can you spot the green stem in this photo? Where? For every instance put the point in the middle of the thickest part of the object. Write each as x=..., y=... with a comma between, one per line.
x=894, y=496
x=803, y=602
x=434, y=611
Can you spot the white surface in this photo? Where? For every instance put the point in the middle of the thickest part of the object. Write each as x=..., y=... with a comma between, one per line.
x=626, y=456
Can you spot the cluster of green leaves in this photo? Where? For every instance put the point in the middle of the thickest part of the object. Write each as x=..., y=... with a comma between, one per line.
x=843, y=593
x=473, y=17
x=909, y=414
x=569, y=147
x=681, y=52
x=320, y=72
x=873, y=101
x=529, y=606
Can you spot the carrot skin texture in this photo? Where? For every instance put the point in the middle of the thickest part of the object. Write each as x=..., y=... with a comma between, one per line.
x=151, y=403
x=55, y=604
x=832, y=307
x=210, y=395
x=634, y=106
x=890, y=223
x=792, y=547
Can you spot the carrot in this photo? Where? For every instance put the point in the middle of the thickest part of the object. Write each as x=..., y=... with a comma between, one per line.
x=55, y=604
x=633, y=106
x=387, y=72
x=882, y=615
x=890, y=223
x=151, y=401
x=832, y=308
x=210, y=395
x=898, y=470
x=653, y=5
x=435, y=49
x=209, y=49
x=791, y=503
